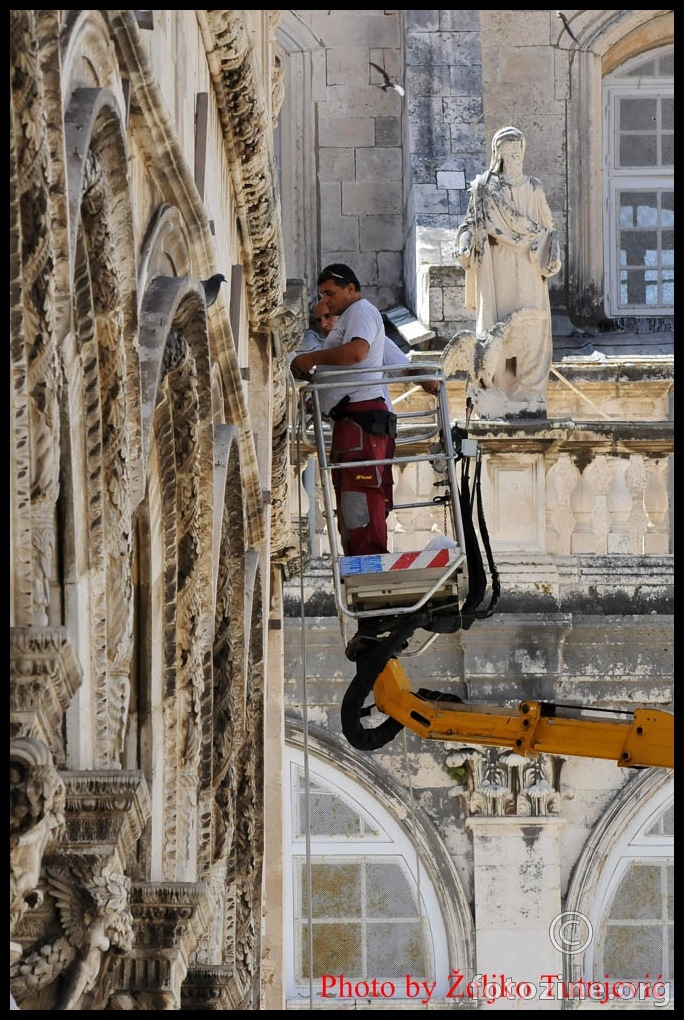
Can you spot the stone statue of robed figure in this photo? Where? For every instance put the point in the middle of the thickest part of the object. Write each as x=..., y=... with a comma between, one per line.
x=508, y=246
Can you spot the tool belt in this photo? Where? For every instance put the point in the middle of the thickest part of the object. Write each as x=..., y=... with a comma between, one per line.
x=378, y=423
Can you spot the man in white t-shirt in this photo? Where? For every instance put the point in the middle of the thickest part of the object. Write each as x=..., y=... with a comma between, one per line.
x=349, y=364
x=313, y=340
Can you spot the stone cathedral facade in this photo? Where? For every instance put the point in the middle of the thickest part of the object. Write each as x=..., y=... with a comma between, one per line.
x=177, y=179
x=149, y=515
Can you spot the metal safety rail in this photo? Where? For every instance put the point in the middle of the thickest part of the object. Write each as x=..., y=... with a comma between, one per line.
x=405, y=582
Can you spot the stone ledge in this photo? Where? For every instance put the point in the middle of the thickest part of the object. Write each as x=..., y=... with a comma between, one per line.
x=408, y=326
x=592, y=585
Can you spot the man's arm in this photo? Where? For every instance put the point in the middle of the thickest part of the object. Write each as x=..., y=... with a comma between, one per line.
x=393, y=355
x=351, y=353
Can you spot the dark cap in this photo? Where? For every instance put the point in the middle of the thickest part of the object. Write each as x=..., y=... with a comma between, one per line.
x=340, y=273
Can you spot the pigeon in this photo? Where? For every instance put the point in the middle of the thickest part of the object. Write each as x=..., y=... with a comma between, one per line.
x=387, y=82
x=212, y=287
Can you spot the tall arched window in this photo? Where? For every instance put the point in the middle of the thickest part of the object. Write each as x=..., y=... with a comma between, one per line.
x=639, y=186
x=636, y=933
x=623, y=883
x=361, y=906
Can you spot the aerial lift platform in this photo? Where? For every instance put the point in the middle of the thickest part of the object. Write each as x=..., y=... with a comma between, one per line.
x=400, y=602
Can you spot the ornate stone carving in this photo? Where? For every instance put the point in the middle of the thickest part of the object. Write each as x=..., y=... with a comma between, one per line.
x=112, y=445
x=85, y=910
x=498, y=782
x=288, y=328
x=44, y=676
x=182, y=705
x=245, y=123
x=36, y=375
x=90, y=895
x=36, y=824
x=249, y=840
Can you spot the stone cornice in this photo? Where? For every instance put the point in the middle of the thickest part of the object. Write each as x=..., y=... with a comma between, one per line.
x=595, y=438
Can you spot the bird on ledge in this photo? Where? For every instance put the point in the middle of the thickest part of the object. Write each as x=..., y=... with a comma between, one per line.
x=212, y=286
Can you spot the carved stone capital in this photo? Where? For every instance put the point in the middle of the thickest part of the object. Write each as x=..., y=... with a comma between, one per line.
x=208, y=988
x=169, y=920
x=44, y=676
x=105, y=810
x=499, y=782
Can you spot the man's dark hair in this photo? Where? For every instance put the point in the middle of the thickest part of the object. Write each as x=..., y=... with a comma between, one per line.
x=340, y=273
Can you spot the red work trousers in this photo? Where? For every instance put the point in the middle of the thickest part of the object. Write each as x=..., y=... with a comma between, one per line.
x=363, y=494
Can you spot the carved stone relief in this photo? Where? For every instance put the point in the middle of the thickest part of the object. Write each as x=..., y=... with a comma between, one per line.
x=498, y=782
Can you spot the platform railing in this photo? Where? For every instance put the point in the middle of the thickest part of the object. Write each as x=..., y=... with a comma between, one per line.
x=423, y=435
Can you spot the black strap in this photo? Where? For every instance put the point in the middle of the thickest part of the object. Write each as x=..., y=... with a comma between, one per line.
x=337, y=411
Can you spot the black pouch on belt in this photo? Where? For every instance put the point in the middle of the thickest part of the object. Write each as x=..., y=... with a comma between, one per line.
x=378, y=423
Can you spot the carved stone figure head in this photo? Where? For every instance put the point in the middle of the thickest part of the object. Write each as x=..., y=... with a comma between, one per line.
x=504, y=134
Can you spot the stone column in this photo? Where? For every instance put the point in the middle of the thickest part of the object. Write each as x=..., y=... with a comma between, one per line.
x=517, y=896
x=619, y=502
x=656, y=541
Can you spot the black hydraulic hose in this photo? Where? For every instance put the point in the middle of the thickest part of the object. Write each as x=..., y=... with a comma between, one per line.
x=477, y=579
x=484, y=533
x=371, y=661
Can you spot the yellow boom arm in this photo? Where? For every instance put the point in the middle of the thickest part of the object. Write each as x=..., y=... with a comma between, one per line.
x=646, y=738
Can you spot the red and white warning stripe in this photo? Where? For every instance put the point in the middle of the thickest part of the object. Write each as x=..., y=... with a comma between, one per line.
x=427, y=558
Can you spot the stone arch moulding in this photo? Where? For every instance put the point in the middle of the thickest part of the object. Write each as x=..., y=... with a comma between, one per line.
x=646, y=794
x=93, y=124
x=37, y=274
x=166, y=248
x=434, y=856
x=92, y=121
x=87, y=54
x=168, y=303
x=101, y=365
x=245, y=121
x=180, y=475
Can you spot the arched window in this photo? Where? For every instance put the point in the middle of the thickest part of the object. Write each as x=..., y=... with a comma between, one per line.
x=636, y=933
x=355, y=884
x=623, y=884
x=639, y=186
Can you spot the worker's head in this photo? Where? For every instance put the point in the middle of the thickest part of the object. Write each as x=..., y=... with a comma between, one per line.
x=339, y=287
x=323, y=318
